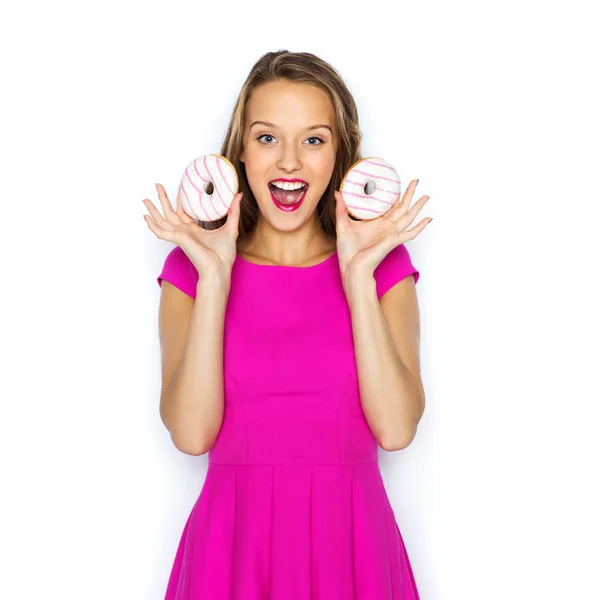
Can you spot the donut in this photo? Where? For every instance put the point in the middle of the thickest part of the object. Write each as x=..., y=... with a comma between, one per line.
x=203, y=173
x=370, y=187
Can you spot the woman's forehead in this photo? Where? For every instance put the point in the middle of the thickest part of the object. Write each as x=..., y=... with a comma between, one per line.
x=290, y=106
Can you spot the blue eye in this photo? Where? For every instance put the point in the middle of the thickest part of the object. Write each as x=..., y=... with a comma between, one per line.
x=310, y=138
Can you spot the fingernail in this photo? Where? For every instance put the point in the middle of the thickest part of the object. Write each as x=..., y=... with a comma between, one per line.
x=417, y=181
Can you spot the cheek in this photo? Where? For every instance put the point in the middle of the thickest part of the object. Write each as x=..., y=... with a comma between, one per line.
x=326, y=157
x=256, y=163
x=324, y=165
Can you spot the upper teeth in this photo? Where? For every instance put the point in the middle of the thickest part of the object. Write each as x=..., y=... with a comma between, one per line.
x=284, y=185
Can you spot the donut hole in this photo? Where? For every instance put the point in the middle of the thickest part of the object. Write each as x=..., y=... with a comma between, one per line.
x=369, y=188
x=209, y=188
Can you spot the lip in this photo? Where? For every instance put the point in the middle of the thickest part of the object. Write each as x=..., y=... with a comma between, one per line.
x=293, y=207
x=289, y=180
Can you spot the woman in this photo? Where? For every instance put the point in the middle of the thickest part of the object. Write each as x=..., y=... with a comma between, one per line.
x=269, y=320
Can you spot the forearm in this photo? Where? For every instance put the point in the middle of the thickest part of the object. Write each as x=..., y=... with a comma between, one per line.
x=194, y=398
x=389, y=394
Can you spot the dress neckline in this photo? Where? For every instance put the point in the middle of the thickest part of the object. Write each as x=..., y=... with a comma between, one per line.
x=329, y=259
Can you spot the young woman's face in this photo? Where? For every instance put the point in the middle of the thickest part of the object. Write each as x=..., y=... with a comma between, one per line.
x=289, y=148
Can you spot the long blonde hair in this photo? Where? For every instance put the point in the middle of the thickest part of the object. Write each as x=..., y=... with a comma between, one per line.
x=300, y=67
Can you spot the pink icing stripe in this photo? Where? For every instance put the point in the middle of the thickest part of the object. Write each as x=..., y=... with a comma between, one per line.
x=363, y=196
x=201, y=193
x=363, y=208
x=374, y=176
x=218, y=161
x=214, y=184
x=190, y=203
x=370, y=162
x=362, y=184
x=195, y=187
x=198, y=172
x=191, y=181
x=184, y=201
x=224, y=178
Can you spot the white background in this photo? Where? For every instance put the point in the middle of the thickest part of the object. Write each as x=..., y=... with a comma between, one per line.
x=492, y=106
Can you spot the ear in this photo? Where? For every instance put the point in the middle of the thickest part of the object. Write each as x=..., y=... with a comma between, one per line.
x=242, y=156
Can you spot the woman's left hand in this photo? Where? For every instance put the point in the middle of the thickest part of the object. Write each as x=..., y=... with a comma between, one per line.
x=362, y=245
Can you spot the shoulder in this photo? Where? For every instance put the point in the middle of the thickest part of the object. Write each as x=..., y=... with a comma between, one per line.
x=179, y=271
x=396, y=266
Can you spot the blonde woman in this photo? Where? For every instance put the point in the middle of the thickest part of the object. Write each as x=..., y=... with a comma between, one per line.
x=289, y=335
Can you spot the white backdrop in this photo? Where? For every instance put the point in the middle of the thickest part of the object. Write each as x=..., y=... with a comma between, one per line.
x=492, y=107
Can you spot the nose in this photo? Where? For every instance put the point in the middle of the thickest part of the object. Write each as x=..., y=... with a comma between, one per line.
x=289, y=160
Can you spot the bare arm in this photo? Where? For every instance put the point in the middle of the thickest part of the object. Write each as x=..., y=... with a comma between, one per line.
x=191, y=338
x=391, y=390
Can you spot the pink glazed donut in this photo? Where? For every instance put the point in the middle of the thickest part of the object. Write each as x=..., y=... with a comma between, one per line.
x=370, y=187
x=207, y=187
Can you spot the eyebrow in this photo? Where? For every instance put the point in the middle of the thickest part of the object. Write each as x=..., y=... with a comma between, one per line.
x=276, y=127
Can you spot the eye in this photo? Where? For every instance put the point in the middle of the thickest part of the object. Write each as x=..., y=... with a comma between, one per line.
x=268, y=135
x=316, y=138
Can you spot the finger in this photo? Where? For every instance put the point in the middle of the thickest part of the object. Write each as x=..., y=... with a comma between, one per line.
x=160, y=233
x=233, y=214
x=342, y=220
x=170, y=214
x=158, y=219
x=187, y=219
x=410, y=216
x=392, y=212
x=411, y=234
x=399, y=209
x=416, y=209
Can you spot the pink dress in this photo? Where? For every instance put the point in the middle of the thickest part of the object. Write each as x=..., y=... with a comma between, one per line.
x=293, y=506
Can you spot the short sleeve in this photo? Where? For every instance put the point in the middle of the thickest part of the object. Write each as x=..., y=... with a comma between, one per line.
x=395, y=267
x=179, y=271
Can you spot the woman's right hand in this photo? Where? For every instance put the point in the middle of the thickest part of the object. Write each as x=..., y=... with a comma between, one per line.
x=211, y=251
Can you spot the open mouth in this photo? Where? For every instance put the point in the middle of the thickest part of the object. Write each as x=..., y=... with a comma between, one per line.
x=288, y=199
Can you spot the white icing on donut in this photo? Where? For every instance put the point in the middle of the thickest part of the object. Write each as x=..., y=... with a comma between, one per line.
x=206, y=169
x=385, y=179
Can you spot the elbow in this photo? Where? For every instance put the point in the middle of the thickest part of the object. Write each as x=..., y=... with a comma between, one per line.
x=400, y=439
x=193, y=448
x=194, y=443
x=188, y=442
x=193, y=451
x=393, y=442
